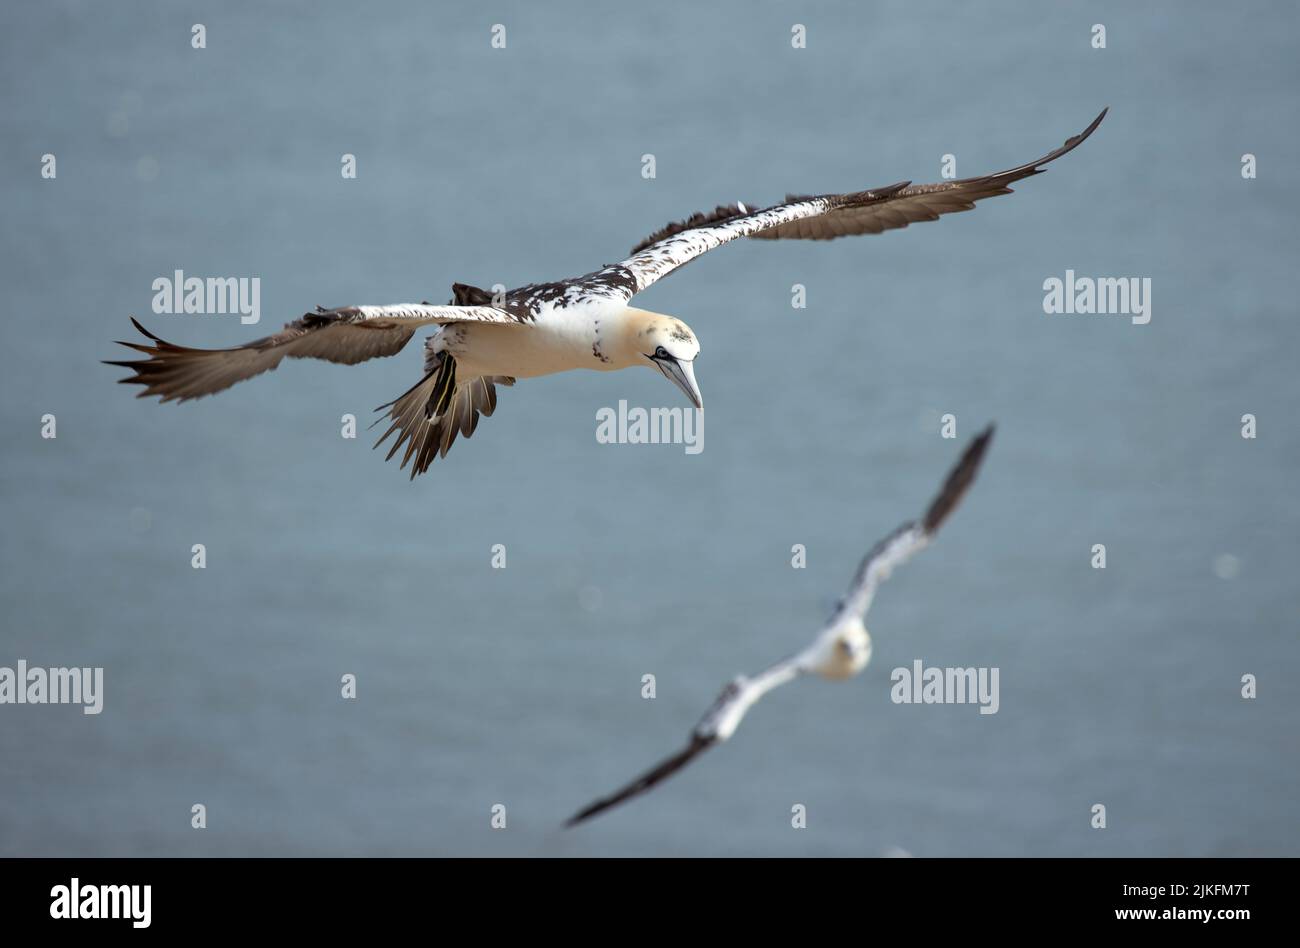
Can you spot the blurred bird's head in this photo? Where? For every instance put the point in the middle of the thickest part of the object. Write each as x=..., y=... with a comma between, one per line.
x=846, y=650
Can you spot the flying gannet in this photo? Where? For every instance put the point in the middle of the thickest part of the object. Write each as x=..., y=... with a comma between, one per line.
x=482, y=340
x=841, y=649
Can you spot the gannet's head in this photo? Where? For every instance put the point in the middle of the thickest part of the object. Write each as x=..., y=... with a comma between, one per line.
x=667, y=344
x=846, y=651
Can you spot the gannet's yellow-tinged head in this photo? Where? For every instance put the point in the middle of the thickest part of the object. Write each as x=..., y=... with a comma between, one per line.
x=665, y=343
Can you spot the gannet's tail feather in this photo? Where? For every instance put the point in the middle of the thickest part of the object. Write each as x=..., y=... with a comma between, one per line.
x=430, y=414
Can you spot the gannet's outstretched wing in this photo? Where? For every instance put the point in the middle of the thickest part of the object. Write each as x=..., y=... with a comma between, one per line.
x=816, y=218
x=347, y=335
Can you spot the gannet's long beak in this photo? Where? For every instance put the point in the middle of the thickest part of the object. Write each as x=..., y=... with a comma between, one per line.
x=682, y=374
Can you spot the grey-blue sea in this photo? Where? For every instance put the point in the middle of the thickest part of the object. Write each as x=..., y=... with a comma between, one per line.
x=522, y=686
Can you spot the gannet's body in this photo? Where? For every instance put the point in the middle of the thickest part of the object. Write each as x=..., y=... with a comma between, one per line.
x=600, y=335
x=840, y=650
x=585, y=322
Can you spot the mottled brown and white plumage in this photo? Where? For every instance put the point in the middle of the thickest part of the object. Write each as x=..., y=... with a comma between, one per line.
x=841, y=649
x=481, y=340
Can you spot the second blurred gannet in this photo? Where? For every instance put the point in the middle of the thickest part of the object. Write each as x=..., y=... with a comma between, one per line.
x=840, y=651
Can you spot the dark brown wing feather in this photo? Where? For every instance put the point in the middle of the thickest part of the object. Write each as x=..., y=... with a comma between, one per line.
x=179, y=373
x=958, y=482
x=723, y=212
x=641, y=784
x=922, y=202
x=462, y=294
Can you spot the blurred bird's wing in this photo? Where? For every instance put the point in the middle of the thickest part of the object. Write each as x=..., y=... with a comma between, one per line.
x=718, y=724
x=913, y=536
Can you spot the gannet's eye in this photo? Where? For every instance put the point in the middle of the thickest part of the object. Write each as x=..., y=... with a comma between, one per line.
x=661, y=353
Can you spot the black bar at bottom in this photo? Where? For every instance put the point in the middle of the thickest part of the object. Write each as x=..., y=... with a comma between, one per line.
x=368, y=896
